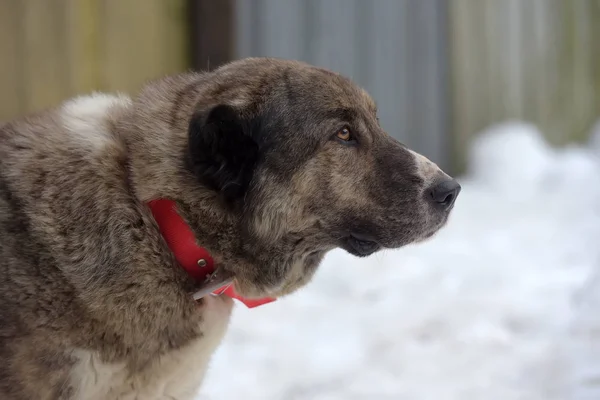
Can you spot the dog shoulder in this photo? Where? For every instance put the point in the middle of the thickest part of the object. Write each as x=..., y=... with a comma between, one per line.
x=176, y=374
x=89, y=120
x=81, y=126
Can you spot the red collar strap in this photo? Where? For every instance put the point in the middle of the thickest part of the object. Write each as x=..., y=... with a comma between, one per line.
x=194, y=259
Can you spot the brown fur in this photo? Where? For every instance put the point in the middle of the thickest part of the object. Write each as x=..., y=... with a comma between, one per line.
x=83, y=267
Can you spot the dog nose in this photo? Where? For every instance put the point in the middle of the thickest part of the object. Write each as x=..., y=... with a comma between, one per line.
x=445, y=193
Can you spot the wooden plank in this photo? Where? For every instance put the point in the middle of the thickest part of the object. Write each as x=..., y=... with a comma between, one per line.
x=470, y=46
x=176, y=44
x=212, y=32
x=440, y=91
x=389, y=64
x=136, y=42
x=527, y=49
x=427, y=82
x=12, y=102
x=583, y=108
x=364, y=39
x=44, y=75
x=595, y=59
x=494, y=63
x=544, y=44
x=514, y=56
x=551, y=73
x=333, y=36
x=283, y=28
x=128, y=47
x=83, y=64
x=246, y=14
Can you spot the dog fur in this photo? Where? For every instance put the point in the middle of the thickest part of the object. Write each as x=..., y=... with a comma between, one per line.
x=92, y=302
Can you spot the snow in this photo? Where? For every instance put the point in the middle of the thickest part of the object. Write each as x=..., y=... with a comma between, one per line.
x=490, y=308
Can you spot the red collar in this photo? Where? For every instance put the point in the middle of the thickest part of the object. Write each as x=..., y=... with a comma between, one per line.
x=189, y=255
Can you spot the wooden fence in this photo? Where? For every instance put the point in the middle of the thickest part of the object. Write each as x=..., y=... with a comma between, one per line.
x=52, y=49
x=441, y=70
x=533, y=60
x=395, y=49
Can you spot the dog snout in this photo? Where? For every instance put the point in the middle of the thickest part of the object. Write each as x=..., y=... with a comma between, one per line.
x=444, y=194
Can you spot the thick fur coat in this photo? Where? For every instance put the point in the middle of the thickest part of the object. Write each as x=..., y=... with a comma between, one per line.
x=271, y=162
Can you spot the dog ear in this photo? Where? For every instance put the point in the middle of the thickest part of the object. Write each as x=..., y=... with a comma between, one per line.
x=222, y=153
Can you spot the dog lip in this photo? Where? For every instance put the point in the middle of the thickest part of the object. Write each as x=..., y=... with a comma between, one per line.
x=360, y=245
x=364, y=237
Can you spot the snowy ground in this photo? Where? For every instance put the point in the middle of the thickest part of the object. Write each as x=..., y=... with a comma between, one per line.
x=484, y=310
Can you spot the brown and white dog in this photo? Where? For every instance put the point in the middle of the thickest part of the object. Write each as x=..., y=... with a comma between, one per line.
x=272, y=163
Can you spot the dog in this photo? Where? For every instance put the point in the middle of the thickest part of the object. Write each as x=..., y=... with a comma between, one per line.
x=271, y=163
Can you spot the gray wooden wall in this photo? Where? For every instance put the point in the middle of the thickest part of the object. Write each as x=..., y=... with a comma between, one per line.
x=443, y=70
x=393, y=48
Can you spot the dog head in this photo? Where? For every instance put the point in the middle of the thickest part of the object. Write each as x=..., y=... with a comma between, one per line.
x=298, y=153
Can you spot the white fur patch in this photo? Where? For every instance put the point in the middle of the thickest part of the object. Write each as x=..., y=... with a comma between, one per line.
x=87, y=117
x=427, y=169
x=176, y=375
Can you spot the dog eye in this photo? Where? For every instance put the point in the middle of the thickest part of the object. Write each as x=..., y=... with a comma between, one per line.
x=344, y=134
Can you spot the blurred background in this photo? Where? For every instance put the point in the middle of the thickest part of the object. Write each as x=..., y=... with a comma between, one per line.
x=440, y=70
x=504, y=93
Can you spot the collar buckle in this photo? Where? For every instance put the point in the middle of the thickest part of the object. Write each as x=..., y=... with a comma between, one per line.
x=220, y=278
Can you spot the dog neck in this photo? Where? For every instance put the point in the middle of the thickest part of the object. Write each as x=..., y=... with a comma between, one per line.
x=183, y=209
x=156, y=145
x=196, y=260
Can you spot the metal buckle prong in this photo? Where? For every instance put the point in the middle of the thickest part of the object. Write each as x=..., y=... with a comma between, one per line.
x=218, y=279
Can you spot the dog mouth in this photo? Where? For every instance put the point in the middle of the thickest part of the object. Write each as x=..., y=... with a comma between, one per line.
x=360, y=245
x=357, y=244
